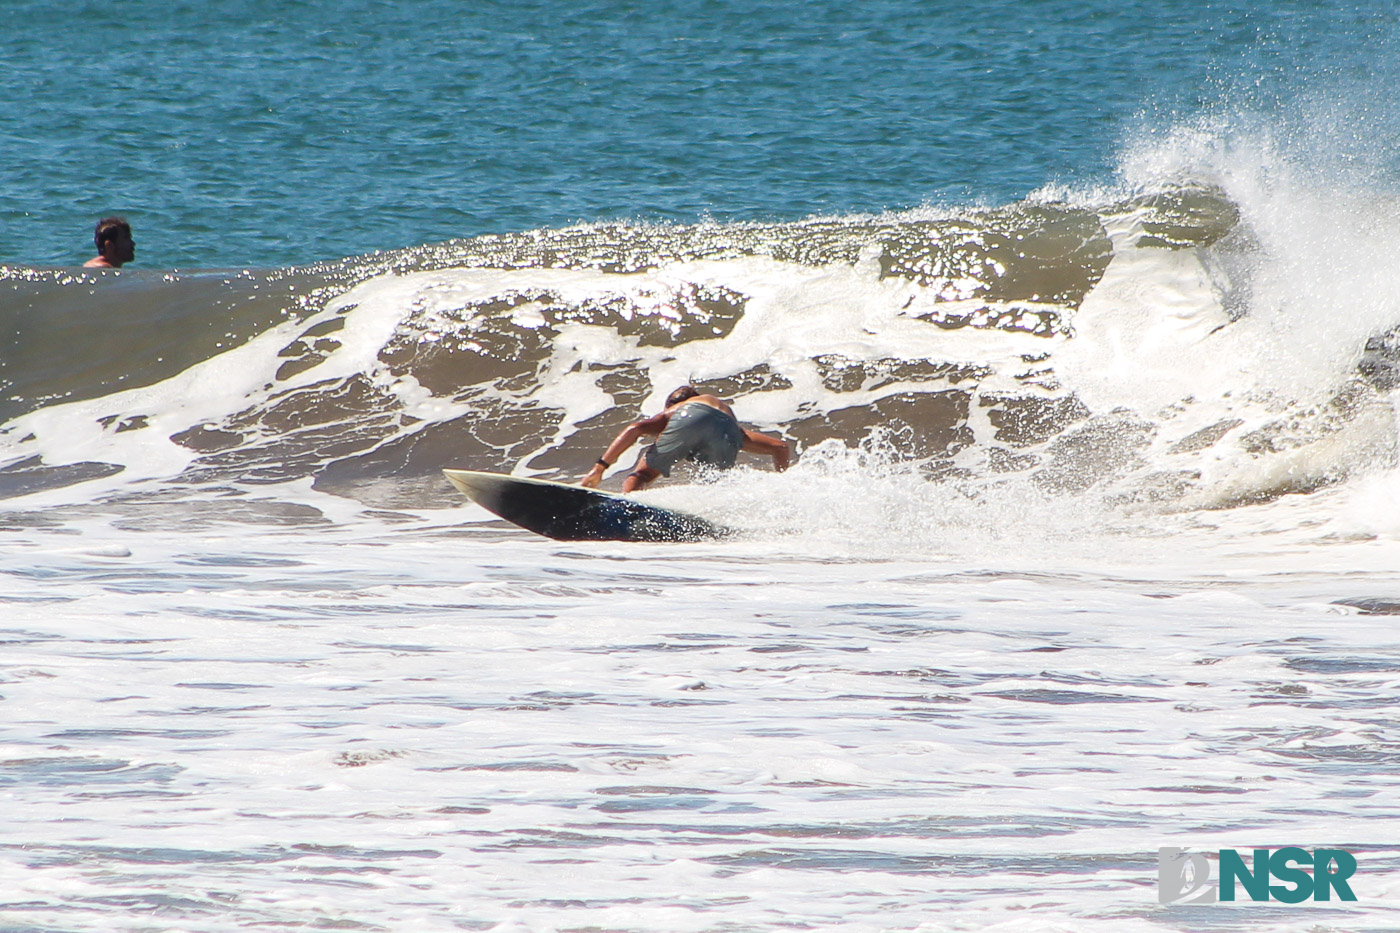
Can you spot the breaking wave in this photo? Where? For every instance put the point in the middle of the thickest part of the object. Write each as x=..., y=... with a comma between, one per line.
x=1206, y=339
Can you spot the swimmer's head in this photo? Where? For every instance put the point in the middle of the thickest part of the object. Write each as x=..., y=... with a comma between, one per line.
x=113, y=239
x=681, y=394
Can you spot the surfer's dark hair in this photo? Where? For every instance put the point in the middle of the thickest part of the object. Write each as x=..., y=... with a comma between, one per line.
x=681, y=394
x=110, y=228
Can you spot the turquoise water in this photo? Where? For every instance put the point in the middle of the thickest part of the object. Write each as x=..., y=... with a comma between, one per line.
x=252, y=132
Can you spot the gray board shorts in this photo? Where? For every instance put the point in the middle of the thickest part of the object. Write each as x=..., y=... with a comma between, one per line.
x=700, y=433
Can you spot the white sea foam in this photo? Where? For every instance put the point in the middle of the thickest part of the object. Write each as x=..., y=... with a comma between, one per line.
x=421, y=722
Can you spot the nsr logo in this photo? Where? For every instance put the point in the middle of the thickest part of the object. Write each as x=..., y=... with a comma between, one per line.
x=1184, y=878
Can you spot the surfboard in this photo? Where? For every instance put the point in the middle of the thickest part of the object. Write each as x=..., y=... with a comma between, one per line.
x=573, y=513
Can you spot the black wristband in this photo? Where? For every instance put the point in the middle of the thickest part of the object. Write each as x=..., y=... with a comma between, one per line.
x=601, y=462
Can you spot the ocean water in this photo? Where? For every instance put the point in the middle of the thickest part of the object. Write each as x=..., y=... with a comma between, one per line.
x=253, y=132
x=1082, y=319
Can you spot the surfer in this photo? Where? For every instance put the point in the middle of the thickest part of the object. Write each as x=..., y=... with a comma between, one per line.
x=694, y=427
x=114, y=244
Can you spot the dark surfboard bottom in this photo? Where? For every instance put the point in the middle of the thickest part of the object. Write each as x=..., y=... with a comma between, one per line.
x=572, y=513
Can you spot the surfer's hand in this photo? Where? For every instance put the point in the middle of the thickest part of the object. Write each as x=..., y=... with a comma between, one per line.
x=592, y=478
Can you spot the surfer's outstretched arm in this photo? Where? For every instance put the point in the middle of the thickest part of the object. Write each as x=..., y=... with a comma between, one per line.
x=647, y=427
x=756, y=443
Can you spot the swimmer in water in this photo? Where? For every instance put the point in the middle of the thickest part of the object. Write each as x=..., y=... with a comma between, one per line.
x=114, y=244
